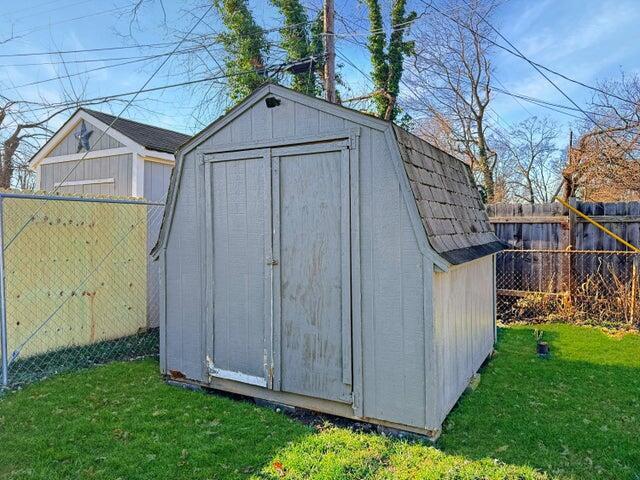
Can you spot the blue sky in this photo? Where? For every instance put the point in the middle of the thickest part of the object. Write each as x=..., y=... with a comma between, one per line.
x=589, y=40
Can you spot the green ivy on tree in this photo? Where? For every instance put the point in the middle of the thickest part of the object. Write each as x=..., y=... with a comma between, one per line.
x=316, y=43
x=302, y=39
x=246, y=46
x=387, y=63
x=295, y=41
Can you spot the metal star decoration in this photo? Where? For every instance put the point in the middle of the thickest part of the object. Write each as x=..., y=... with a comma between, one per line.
x=83, y=137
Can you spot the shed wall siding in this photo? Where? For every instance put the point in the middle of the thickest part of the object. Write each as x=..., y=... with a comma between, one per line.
x=69, y=144
x=117, y=167
x=392, y=292
x=184, y=288
x=392, y=268
x=288, y=121
x=464, y=325
x=156, y=183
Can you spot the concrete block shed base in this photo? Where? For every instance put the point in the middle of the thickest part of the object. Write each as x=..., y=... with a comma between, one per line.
x=304, y=408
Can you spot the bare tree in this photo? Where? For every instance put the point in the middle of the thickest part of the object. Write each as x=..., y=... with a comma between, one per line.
x=17, y=137
x=439, y=132
x=450, y=80
x=530, y=160
x=604, y=164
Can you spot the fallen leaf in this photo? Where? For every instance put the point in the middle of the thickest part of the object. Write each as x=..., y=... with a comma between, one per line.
x=279, y=468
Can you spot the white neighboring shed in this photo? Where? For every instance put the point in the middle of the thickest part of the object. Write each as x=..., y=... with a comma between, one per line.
x=319, y=257
x=131, y=159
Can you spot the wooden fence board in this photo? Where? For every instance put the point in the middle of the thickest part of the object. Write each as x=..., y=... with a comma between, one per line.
x=552, y=227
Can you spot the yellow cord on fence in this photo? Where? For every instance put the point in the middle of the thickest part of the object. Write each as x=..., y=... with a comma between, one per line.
x=600, y=226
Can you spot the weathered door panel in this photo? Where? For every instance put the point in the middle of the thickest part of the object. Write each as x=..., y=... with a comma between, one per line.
x=312, y=241
x=240, y=227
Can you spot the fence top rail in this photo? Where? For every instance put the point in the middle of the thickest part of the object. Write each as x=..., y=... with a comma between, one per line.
x=569, y=251
x=68, y=198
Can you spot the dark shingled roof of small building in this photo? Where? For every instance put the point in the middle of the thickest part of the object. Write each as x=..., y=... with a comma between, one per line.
x=153, y=138
x=448, y=201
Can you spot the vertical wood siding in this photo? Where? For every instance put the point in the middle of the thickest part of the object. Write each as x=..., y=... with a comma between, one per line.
x=69, y=144
x=156, y=183
x=392, y=293
x=464, y=325
x=288, y=121
x=184, y=289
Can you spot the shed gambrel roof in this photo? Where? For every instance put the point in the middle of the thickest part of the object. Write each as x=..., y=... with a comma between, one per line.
x=153, y=138
x=448, y=201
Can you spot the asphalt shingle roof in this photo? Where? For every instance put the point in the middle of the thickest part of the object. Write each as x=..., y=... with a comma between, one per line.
x=448, y=201
x=153, y=138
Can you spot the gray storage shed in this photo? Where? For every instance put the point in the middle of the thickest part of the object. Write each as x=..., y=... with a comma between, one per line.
x=319, y=257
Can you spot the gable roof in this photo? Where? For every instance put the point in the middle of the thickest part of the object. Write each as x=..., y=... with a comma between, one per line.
x=153, y=138
x=448, y=201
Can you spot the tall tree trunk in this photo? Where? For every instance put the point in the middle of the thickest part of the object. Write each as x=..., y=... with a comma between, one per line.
x=484, y=165
x=6, y=166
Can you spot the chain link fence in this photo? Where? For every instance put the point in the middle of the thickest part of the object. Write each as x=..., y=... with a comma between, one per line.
x=584, y=287
x=79, y=288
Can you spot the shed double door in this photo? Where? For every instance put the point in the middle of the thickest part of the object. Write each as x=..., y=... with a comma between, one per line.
x=281, y=229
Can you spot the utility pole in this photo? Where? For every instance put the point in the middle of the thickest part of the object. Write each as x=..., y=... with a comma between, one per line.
x=330, y=53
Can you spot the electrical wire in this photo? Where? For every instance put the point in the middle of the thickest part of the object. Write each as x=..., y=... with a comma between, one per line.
x=516, y=52
x=71, y=170
x=103, y=67
x=90, y=60
x=87, y=50
x=67, y=20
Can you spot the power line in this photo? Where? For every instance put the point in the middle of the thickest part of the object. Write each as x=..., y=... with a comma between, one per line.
x=36, y=7
x=558, y=108
x=67, y=20
x=87, y=50
x=43, y=12
x=89, y=60
x=130, y=62
x=106, y=98
x=111, y=124
x=538, y=69
x=516, y=52
x=130, y=47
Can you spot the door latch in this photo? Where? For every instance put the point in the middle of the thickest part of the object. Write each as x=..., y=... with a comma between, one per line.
x=272, y=262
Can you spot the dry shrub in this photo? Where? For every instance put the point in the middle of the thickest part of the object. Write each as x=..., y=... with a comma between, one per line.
x=602, y=299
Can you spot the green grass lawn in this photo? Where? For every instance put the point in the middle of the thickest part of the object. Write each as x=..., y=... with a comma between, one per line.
x=575, y=415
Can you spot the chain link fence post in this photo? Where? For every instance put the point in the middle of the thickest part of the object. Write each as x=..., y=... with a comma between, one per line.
x=3, y=306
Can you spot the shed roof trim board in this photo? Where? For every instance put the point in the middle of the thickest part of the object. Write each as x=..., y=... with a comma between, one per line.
x=447, y=200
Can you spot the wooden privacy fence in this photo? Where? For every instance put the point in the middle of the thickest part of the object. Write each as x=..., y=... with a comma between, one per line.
x=550, y=226
x=562, y=267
